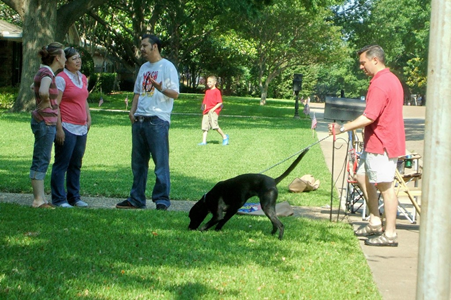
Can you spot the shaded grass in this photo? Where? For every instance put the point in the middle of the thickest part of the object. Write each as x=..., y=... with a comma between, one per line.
x=260, y=137
x=111, y=254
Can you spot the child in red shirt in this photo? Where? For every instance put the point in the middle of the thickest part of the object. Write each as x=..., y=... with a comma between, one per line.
x=211, y=106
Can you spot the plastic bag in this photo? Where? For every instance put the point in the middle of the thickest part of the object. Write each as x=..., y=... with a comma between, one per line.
x=306, y=183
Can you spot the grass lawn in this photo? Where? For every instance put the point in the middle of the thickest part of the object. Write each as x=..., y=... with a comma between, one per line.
x=112, y=254
x=260, y=137
x=149, y=254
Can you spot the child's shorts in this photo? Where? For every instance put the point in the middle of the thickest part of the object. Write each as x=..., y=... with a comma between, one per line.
x=210, y=121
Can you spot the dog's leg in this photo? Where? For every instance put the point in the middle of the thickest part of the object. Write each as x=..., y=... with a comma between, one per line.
x=227, y=217
x=214, y=220
x=217, y=217
x=276, y=224
x=268, y=204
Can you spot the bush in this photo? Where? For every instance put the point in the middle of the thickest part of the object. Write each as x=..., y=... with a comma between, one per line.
x=92, y=84
x=127, y=85
x=94, y=97
x=107, y=81
x=7, y=97
x=190, y=90
x=102, y=82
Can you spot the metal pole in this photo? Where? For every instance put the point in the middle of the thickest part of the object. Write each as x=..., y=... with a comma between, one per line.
x=345, y=175
x=434, y=259
x=296, y=106
x=332, y=181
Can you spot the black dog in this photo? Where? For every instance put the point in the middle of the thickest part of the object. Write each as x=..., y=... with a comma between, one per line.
x=230, y=195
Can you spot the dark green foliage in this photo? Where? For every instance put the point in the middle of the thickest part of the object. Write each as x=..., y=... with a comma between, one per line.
x=107, y=81
x=93, y=82
x=87, y=66
x=7, y=97
x=401, y=27
x=102, y=82
x=187, y=89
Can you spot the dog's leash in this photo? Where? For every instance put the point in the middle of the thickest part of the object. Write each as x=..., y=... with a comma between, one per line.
x=309, y=146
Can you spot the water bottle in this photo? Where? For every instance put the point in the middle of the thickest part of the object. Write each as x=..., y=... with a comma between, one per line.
x=408, y=163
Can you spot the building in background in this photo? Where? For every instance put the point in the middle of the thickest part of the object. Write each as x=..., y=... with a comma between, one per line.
x=10, y=54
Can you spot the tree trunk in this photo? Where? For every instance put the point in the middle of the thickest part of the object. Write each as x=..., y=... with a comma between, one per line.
x=38, y=30
x=264, y=92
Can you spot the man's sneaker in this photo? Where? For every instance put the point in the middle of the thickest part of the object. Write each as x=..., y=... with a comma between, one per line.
x=226, y=140
x=202, y=144
x=383, y=241
x=80, y=203
x=369, y=230
x=65, y=205
x=126, y=205
x=162, y=207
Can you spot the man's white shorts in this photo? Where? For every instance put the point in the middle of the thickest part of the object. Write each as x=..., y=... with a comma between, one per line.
x=378, y=167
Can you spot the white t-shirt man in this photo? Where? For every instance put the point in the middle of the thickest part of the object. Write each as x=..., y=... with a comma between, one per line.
x=151, y=102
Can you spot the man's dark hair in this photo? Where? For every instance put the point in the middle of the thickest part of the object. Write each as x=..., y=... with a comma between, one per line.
x=153, y=40
x=373, y=51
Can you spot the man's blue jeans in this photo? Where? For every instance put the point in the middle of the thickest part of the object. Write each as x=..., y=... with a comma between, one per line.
x=44, y=135
x=67, y=167
x=150, y=138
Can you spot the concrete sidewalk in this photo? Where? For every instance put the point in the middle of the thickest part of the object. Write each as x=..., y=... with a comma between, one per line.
x=394, y=269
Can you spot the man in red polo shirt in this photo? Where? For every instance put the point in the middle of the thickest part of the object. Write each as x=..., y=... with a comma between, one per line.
x=384, y=142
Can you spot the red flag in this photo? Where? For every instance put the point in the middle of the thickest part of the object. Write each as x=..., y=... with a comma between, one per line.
x=100, y=101
x=314, y=121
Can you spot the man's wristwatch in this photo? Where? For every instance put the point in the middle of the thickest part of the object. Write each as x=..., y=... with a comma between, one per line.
x=342, y=129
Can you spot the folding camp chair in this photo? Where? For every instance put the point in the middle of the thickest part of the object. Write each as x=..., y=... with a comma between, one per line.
x=354, y=195
x=355, y=199
x=402, y=180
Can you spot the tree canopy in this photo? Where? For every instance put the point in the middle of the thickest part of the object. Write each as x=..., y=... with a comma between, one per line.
x=401, y=27
x=43, y=22
x=254, y=46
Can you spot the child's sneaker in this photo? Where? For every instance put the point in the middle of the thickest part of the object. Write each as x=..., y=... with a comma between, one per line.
x=226, y=140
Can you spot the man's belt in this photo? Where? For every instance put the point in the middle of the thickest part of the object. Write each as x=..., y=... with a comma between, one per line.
x=145, y=118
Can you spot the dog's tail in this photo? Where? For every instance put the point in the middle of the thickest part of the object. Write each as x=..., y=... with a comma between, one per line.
x=292, y=166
